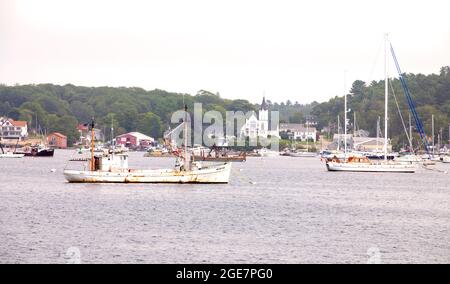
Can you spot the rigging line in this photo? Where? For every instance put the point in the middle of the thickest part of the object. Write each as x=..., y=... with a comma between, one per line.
x=400, y=112
x=375, y=61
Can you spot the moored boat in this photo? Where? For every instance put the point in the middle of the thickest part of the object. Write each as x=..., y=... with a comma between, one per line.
x=358, y=164
x=113, y=168
x=303, y=154
x=38, y=151
x=363, y=164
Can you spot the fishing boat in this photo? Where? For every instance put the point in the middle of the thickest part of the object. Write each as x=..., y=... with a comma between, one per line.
x=37, y=151
x=220, y=154
x=113, y=168
x=363, y=164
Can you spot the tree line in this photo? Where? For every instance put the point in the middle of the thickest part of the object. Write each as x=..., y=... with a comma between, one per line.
x=431, y=94
x=61, y=108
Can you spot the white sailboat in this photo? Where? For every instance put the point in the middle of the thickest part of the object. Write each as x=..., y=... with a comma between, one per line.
x=113, y=168
x=357, y=164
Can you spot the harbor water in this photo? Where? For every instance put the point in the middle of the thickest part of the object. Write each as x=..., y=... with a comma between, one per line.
x=275, y=210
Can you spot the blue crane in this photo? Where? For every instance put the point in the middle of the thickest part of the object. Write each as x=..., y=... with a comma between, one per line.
x=411, y=104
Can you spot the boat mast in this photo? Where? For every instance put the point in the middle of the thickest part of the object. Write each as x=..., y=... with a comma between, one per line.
x=378, y=134
x=345, y=116
x=113, y=141
x=307, y=138
x=92, y=145
x=432, y=131
x=386, y=94
x=410, y=135
x=186, y=160
x=339, y=134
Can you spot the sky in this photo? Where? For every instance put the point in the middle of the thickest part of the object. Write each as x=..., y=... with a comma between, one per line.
x=288, y=50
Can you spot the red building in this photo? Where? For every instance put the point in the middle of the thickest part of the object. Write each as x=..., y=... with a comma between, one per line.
x=134, y=140
x=57, y=140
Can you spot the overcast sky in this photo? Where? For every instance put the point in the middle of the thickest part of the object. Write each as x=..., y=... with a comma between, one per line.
x=295, y=50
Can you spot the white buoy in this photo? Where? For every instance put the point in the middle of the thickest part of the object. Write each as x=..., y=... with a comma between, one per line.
x=53, y=170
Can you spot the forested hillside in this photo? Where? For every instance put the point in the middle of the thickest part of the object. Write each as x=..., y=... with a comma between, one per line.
x=431, y=94
x=60, y=108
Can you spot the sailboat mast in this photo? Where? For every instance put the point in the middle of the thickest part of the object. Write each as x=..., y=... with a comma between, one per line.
x=378, y=134
x=92, y=145
x=186, y=160
x=113, y=141
x=386, y=95
x=307, y=134
x=410, y=134
x=345, y=114
x=339, y=134
x=432, y=131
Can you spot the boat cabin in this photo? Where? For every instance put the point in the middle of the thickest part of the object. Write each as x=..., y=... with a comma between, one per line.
x=111, y=162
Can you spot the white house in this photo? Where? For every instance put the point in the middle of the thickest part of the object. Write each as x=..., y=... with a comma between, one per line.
x=298, y=132
x=259, y=126
x=12, y=129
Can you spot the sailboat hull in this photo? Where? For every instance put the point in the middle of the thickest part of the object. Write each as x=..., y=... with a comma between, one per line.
x=211, y=174
x=374, y=168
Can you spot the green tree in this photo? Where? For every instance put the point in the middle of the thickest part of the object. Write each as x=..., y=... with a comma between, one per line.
x=149, y=124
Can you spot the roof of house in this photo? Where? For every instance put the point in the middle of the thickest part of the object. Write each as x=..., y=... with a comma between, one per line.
x=368, y=141
x=138, y=135
x=82, y=127
x=296, y=127
x=57, y=134
x=18, y=123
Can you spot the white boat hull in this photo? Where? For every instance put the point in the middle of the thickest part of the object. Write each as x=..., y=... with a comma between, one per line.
x=11, y=155
x=210, y=174
x=375, y=168
x=303, y=155
x=446, y=160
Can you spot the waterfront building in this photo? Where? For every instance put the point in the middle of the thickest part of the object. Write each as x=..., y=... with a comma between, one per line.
x=13, y=129
x=57, y=140
x=259, y=126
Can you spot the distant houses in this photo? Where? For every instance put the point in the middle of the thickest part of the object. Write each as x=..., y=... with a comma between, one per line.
x=298, y=132
x=85, y=134
x=134, y=140
x=57, y=140
x=13, y=129
x=365, y=144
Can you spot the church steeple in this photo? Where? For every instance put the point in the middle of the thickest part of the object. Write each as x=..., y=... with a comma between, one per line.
x=264, y=105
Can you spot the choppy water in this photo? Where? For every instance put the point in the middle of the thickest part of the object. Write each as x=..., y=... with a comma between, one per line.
x=295, y=213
